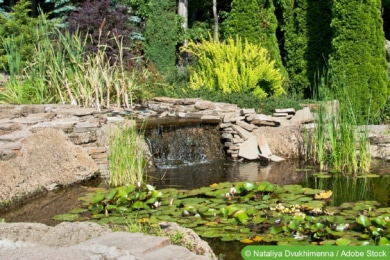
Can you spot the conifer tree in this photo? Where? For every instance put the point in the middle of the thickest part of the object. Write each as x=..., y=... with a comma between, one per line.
x=307, y=36
x=255, y=21
x=358, y=63
x=163, y=31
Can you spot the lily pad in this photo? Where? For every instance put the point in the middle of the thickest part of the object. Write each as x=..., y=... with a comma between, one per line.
x=66, y=217
x=343, y=242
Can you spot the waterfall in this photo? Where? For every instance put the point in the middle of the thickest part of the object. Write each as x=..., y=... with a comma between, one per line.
x=177, y=145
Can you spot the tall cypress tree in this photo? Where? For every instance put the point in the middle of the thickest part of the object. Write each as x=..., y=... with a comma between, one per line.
x=255, y=21
x=162, y=33
x=306, y=32
x=358, y=62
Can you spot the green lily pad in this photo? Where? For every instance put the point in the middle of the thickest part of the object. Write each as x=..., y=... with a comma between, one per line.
x=343, y=242
x=294, y=188
x=78, y=210
x=241, y=216
x=98, y=198
x=363, y=220
x=66, y=217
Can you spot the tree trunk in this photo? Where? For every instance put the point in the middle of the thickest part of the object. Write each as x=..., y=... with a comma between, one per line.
x=182, y=10
x=215, y=14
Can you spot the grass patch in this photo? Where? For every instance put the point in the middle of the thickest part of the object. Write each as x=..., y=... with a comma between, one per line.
x=127, y=156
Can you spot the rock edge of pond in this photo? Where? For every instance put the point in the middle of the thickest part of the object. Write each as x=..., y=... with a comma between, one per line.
x=86, y=240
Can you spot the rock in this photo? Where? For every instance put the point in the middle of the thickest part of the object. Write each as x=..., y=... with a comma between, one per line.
x=245, y=125
x=204, y=105
x=190, y=239
x=84, y=240
x=242, y=132
x=262, y=143
x=48, y=158
x=248, y=149
x=303, y=116
x=289, y=111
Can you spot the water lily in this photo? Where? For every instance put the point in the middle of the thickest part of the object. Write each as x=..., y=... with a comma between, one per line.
x=227, y=196
x=299, y=236
x=156, y=204
x=232, y=190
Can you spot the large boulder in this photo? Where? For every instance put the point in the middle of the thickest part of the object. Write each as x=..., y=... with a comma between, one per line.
x=47, y=159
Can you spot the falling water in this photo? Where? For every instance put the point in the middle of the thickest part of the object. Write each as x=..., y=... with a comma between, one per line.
x=177, y=145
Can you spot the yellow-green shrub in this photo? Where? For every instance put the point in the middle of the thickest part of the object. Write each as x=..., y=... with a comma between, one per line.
x=234, y=66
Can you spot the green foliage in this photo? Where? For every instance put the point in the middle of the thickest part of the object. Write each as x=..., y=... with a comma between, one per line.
x=233, y=66
x=22, y=29
x=162, y=33
x=307, y=35
x=337, y=135
x=61, y=71
x=243, y=211
x=256, y=22
x=61, y=7
x=358, y=65
x=267, y=106
x=127, y=156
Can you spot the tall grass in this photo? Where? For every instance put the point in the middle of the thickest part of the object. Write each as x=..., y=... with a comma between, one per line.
x=126, y=156
x=338, y=142
x=63, y=72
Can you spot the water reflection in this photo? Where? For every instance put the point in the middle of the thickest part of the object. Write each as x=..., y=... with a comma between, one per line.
x=345, y=188
x=196, y=176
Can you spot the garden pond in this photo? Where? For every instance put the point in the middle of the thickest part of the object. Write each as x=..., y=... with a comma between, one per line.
x=232, y=204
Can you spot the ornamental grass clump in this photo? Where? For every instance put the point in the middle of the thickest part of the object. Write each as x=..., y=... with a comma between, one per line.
x=337, y=140
x=234, y=66
x=126, y=156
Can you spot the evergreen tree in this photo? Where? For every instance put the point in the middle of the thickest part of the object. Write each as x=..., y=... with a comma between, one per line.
x=358, y=62
x=307, y=36
x=18, y=35
x=162, y=33
x=255, y=21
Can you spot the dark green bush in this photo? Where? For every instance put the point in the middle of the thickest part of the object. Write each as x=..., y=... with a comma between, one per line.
x=20, y=29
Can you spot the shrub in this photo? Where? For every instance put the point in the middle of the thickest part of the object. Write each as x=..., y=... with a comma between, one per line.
x=255, y=21
x=103, y=23
x=358, y=63
x=21, y=29
x=233, y=66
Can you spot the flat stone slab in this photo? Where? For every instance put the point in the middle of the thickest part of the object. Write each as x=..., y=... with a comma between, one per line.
x=265, y=151
x=248, y=149
x=242, y=132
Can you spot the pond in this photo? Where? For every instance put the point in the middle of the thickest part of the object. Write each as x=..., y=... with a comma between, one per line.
x=345, y=189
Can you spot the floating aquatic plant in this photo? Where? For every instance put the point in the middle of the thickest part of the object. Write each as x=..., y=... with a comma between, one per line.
x=261, y=213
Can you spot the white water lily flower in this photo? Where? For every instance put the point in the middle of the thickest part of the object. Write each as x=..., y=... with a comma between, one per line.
x=299, y=236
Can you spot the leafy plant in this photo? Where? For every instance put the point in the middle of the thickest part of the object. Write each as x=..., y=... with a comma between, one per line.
x=256, y=22
x=233, y=66
x=104, y=23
